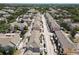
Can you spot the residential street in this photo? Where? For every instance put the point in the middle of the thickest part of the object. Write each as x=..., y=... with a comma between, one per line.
x=49, y=46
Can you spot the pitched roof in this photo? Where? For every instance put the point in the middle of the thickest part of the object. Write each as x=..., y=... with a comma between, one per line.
x=34, y=39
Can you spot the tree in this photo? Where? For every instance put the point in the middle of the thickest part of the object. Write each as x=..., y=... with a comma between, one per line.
x=11, y=19
x=73, y=32
x=75, y=18
x=16, y=27
x=12, y=50
x=65, y=26
x=3, y=27
x=8, y=51
x=22, y=21
x=25, y=28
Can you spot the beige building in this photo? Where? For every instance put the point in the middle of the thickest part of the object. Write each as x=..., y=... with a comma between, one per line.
x=9, y=39
x=33, y=45
x=32, y=11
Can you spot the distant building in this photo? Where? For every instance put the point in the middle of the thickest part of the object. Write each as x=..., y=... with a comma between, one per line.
x=67, y=20
x=8, y=9
x=2, y=18
x=4, y=14
x=53, y=11
x=32, y=11
x=74, y=25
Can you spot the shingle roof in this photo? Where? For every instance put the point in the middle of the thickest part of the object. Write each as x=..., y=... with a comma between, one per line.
x=34, y=39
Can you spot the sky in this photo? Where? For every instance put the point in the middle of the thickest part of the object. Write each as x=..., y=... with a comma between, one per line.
x=39, y=1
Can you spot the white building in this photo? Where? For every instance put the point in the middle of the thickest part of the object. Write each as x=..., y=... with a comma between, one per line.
x=77, y=36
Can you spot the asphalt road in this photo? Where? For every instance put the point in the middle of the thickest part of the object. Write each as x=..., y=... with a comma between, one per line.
x=49, y=46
